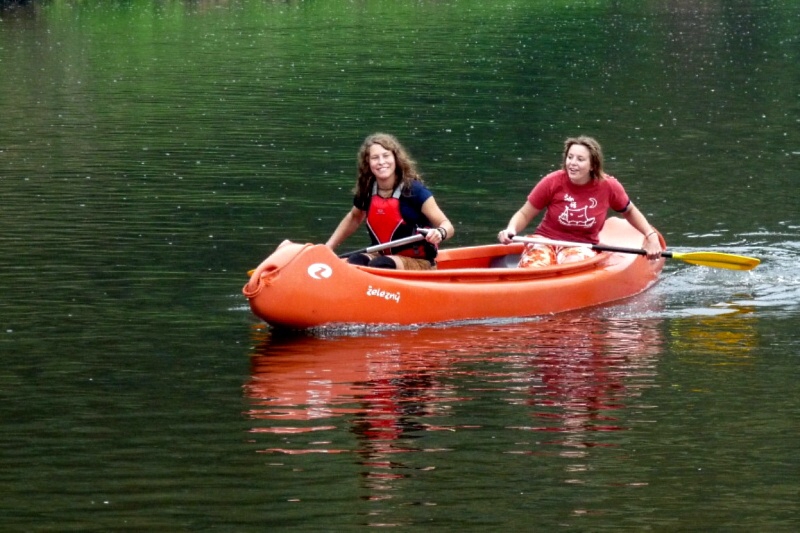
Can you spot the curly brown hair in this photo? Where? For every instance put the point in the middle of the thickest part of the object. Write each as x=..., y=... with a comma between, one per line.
x=405, y=166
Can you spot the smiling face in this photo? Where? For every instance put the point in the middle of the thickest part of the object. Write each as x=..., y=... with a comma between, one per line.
x=382, y=165
x=578, y=164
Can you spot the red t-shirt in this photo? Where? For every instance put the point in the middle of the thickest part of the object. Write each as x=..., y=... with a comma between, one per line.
x=576, y=212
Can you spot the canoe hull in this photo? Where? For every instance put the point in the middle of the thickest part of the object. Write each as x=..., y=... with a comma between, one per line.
x=304, y=286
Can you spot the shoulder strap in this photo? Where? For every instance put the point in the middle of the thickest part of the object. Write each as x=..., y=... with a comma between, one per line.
x=395, y=194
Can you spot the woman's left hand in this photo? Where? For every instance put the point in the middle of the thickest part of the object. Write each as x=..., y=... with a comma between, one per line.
x=434, y=236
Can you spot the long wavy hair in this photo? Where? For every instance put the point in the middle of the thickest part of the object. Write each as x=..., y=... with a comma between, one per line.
x=595, y=154
x=405, y=166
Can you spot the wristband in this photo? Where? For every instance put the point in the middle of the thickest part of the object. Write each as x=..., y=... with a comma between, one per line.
x=442, y=231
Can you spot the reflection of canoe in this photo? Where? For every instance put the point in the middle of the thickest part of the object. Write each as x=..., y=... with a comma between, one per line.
x=570, y=375
x=304, y=285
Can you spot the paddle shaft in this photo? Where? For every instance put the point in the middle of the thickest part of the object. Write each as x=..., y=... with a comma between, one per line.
x=596, y=247
x=386, y=245
x=378, y=247
x=710, y=259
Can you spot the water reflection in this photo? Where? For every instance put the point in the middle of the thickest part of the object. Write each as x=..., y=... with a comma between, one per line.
x=724, y=335
x=602, y=368
x=383, y=382
x=577, y=380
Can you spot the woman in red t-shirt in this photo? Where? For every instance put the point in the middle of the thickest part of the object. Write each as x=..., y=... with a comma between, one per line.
x=576, y=200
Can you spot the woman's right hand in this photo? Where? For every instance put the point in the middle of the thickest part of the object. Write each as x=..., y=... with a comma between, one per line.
x=505, y=236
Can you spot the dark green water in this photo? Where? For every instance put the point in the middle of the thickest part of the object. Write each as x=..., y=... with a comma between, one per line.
x=152, y=152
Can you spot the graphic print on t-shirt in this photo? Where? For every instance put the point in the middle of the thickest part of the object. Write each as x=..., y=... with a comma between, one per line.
x=577, y=216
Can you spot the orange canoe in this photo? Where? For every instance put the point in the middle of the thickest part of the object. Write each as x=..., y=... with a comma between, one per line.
x=305, y=285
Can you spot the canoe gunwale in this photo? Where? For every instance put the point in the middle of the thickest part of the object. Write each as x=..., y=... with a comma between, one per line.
x=489, y=274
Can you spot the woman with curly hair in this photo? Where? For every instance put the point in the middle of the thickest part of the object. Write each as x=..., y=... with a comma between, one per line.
x=394, y=201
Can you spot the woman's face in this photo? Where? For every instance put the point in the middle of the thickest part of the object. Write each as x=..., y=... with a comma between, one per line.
x=382, y=165
x=579, y=164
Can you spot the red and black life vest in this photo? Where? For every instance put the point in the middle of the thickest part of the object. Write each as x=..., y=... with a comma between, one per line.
x=385, y=223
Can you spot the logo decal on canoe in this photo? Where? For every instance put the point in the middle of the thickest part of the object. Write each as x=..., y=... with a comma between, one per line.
x=380, y=293
x=319, y=271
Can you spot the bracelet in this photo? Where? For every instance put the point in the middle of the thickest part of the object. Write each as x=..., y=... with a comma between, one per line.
x=651, y=233
x=442, y=231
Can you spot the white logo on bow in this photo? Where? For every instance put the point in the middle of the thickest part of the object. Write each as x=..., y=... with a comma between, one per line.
x=319, y=271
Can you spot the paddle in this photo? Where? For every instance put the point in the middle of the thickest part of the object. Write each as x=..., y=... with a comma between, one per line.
x=391, y=244
x=709, y=259
x=378, y=247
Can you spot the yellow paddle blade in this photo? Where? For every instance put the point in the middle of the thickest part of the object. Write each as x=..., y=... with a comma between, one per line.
x=718, y=260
